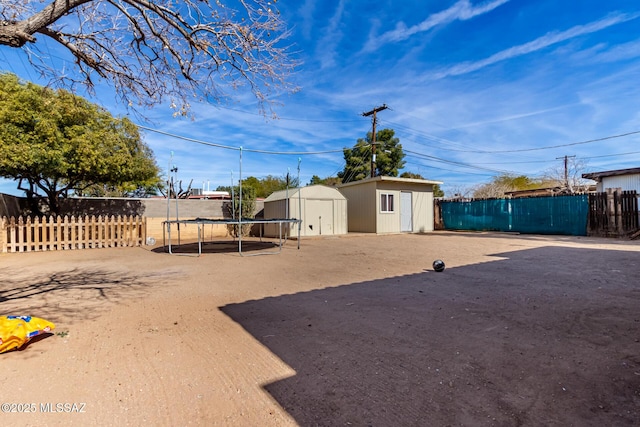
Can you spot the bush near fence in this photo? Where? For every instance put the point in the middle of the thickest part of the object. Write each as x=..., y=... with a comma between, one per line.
x=68, y=233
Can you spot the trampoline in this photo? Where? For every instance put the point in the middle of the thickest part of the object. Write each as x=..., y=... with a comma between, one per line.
x=239, y=221
x=200, y=222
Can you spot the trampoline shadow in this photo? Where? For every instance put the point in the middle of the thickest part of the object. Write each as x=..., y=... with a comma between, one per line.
x=219, y=247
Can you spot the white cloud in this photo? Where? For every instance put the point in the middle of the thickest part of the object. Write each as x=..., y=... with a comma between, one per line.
x=306, y=12
x=621, y=52
x=326, y=48
x=537, y=44
x=461, y=11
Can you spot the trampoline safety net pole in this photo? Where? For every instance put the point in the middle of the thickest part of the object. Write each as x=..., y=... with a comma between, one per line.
x=240, y=207
x=299, y=202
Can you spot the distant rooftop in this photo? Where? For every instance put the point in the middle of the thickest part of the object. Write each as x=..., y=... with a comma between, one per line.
x=597, y=176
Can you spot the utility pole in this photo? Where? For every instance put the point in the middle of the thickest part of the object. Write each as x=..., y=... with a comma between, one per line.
x=566, y=172
x=373, y=143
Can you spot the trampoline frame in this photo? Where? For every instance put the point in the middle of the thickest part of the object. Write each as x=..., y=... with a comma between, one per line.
x=239, y=222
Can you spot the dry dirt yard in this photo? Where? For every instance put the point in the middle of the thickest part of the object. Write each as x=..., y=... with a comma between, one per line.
x=356, y=330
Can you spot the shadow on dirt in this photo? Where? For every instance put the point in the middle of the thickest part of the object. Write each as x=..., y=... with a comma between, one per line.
x=219, y=247
x=79, y=293
x=546, y=336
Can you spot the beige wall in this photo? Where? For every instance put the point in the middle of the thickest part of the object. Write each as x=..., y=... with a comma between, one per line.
x=319, y=216
x=362, y=207
x=422, y=211
x=388, y=222
x=322, y=209
x=11, y=205
x=155, y=210
x=422, y=204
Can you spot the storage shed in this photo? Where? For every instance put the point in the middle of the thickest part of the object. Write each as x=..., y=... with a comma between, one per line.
x=324, y=211
x=386, y=204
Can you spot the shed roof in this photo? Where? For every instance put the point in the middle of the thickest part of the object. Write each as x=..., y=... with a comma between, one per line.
x=391, y=179
x=310, y=191
x=597, y=176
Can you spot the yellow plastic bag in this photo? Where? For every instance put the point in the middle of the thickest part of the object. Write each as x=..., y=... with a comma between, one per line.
x=16, y=331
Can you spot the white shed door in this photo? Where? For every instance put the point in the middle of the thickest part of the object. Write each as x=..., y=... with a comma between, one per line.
x=406, y=214
x=319, y=217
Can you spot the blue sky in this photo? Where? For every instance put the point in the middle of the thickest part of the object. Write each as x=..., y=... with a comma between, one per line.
x=474, y=89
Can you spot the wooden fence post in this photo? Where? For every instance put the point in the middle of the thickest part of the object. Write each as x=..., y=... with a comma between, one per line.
x=28, y=234
x=37, y=234
x=3, y=234
x=617, y=197
x=20, y=239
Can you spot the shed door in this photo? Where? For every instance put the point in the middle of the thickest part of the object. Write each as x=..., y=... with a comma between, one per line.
x=406, y=217
x=319, y=217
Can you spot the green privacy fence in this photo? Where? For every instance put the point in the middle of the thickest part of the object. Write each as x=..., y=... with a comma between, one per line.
x=534, y=215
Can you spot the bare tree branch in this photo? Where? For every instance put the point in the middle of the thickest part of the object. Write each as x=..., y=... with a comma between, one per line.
x=154, y=52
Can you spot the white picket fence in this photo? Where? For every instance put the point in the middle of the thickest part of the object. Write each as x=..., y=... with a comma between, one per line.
x=68, y=233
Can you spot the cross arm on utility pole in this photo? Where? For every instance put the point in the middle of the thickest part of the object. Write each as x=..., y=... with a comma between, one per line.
x=373, y=136
x=375, y=110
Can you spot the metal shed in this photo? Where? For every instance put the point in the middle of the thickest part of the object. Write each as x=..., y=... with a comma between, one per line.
x=386, y=204
x=324, y=210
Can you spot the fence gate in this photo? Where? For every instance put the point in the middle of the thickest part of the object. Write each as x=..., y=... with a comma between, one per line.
x=613, y=213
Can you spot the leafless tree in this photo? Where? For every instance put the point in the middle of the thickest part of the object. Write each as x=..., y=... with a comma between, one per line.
x=492, y=190
x=459, y=192
x=154, y=52
x=568, y=176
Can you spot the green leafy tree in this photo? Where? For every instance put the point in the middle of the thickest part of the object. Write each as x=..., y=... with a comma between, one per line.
x=263, y=187
x=389, y=157
x=331, y=181
x=411, y=175
x=437, y=191
x=55, y=143
x=505, y=183
x=232, y=209
x=139, y=190
x=271, y=183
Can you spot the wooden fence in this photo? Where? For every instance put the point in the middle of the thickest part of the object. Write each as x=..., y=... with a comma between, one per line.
x=68, y=233
x=613, y=213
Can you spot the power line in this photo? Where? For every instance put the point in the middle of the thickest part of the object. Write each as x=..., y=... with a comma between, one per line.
x=229, y=147
x=449, y=142
x=449, y=170
x=610, y=155
x=563, y=145
x=428, y=136
x=291, y=119
x=452, y=162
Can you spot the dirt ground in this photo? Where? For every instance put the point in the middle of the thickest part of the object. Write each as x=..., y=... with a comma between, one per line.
x=354, y=330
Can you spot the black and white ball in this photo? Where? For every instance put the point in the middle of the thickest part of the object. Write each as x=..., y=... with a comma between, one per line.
x=438, y=265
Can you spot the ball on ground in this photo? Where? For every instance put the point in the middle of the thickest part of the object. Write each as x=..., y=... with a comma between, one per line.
x=438, y=265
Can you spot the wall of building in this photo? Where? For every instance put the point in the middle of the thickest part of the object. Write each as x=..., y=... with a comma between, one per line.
x=11, y=205
x=423, y=211
x=390, y=222
x=319, y=216
x=362, y=203
x=626, y=182
x=323, y=211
